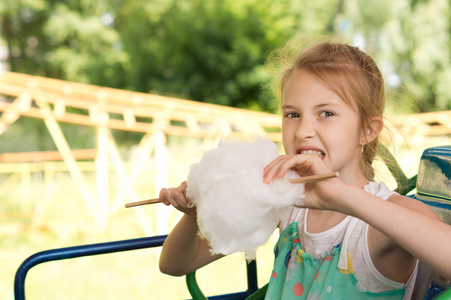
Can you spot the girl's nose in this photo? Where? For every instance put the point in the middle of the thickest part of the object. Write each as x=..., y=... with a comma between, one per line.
x=305, y=129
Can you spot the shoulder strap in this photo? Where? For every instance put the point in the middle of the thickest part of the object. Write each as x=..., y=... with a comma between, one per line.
x=343, y=259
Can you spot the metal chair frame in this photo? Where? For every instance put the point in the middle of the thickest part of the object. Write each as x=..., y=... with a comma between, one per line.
x=114, y=247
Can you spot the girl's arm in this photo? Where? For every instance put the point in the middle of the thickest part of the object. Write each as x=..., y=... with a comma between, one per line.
x=183, y=251
x=400, y=230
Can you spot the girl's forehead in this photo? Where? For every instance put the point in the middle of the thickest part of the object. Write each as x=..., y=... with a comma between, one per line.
x=330, y=84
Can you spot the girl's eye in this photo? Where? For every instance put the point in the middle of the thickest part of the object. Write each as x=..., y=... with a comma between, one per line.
x=326, y=114
x=291, y=115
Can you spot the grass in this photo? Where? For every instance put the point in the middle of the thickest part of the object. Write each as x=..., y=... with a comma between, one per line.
x=114, y=276
x=43, y=219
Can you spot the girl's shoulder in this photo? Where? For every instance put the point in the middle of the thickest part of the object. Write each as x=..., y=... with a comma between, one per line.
x=290, y=215
x=382, y=191
x=379, y=189
x=413, y=204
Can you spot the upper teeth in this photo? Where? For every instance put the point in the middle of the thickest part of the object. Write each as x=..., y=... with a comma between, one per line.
x=311, y=151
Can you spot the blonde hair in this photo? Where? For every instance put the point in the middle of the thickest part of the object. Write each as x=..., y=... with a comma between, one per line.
x=349, y=72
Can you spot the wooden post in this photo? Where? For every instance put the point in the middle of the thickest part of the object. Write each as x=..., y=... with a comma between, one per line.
x=142, y=153
x=11, y=114
x=127, y=184
x=102, y=169
x=49, y=181
x=63, y=147
x=38, y=200
x=161, y=178
x=25, y=180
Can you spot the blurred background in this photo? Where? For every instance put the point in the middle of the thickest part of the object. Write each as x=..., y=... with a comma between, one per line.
x=129, y=63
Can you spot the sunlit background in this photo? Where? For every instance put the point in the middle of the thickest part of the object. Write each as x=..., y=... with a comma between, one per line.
x=207, y=51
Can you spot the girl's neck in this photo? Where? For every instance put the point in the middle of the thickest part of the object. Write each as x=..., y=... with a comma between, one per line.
x=357, y=179
x=321, y=220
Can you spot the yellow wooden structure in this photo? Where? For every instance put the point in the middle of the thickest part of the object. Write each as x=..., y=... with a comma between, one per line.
x=106, y=109
x=153, y=115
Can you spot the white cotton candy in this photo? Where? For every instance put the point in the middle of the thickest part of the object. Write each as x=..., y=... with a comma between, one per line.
x=236, y=210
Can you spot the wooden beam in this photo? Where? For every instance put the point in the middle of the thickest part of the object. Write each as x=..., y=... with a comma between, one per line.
x=141, y=154
x=17, y=157
x=102, y=174
x=143, y=105
x=64, y=149
x=127, y=184
x=169, y=129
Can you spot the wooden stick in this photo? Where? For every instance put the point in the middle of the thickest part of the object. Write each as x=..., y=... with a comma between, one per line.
x=305, y=179
x=313, y=178
x=143, y=202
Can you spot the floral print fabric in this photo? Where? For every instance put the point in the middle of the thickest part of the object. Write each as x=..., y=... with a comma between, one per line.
x=298, y=275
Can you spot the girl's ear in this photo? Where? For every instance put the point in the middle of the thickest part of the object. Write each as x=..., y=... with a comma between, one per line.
x=371, y=131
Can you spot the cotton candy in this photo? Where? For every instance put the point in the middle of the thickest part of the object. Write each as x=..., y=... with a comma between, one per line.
x=236, y=210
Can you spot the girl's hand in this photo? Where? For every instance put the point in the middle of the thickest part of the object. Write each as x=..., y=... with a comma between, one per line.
x=318, y=195
x=177, y=198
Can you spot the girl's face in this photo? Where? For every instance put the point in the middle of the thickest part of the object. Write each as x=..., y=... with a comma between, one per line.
x=316, y=119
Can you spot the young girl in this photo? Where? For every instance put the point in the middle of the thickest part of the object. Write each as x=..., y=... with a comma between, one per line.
x=355, y=239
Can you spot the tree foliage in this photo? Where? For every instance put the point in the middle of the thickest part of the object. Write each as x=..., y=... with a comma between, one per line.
x=215, y=51
x=411, y=42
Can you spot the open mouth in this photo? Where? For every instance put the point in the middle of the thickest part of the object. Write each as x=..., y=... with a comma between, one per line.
x=321, y=154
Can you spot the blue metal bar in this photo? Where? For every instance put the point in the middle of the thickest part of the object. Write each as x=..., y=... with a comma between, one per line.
x=252, y=280
x=234, y=296
x=79, y=251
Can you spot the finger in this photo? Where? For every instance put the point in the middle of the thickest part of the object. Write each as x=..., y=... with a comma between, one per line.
x=273, y=169
x=162, y=196
x=290, y=163
x=270, y=170
x=183, y=185
x=180, y=198
x=168, y=196
x=280, y=166
x=274, y=163
x=269, y=166
x=182, y=188
x=312, y=164
x=189, y=203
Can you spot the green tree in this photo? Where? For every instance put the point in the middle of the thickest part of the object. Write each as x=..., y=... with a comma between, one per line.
x=21, y=31
x=63, y=39
x=215, y=50
x=85, y=48
x=411, y=42
x=212, y=51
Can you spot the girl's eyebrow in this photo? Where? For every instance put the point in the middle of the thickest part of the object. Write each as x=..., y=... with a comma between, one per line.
x=285, y=106
x=325, y=105
x=318, y=106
